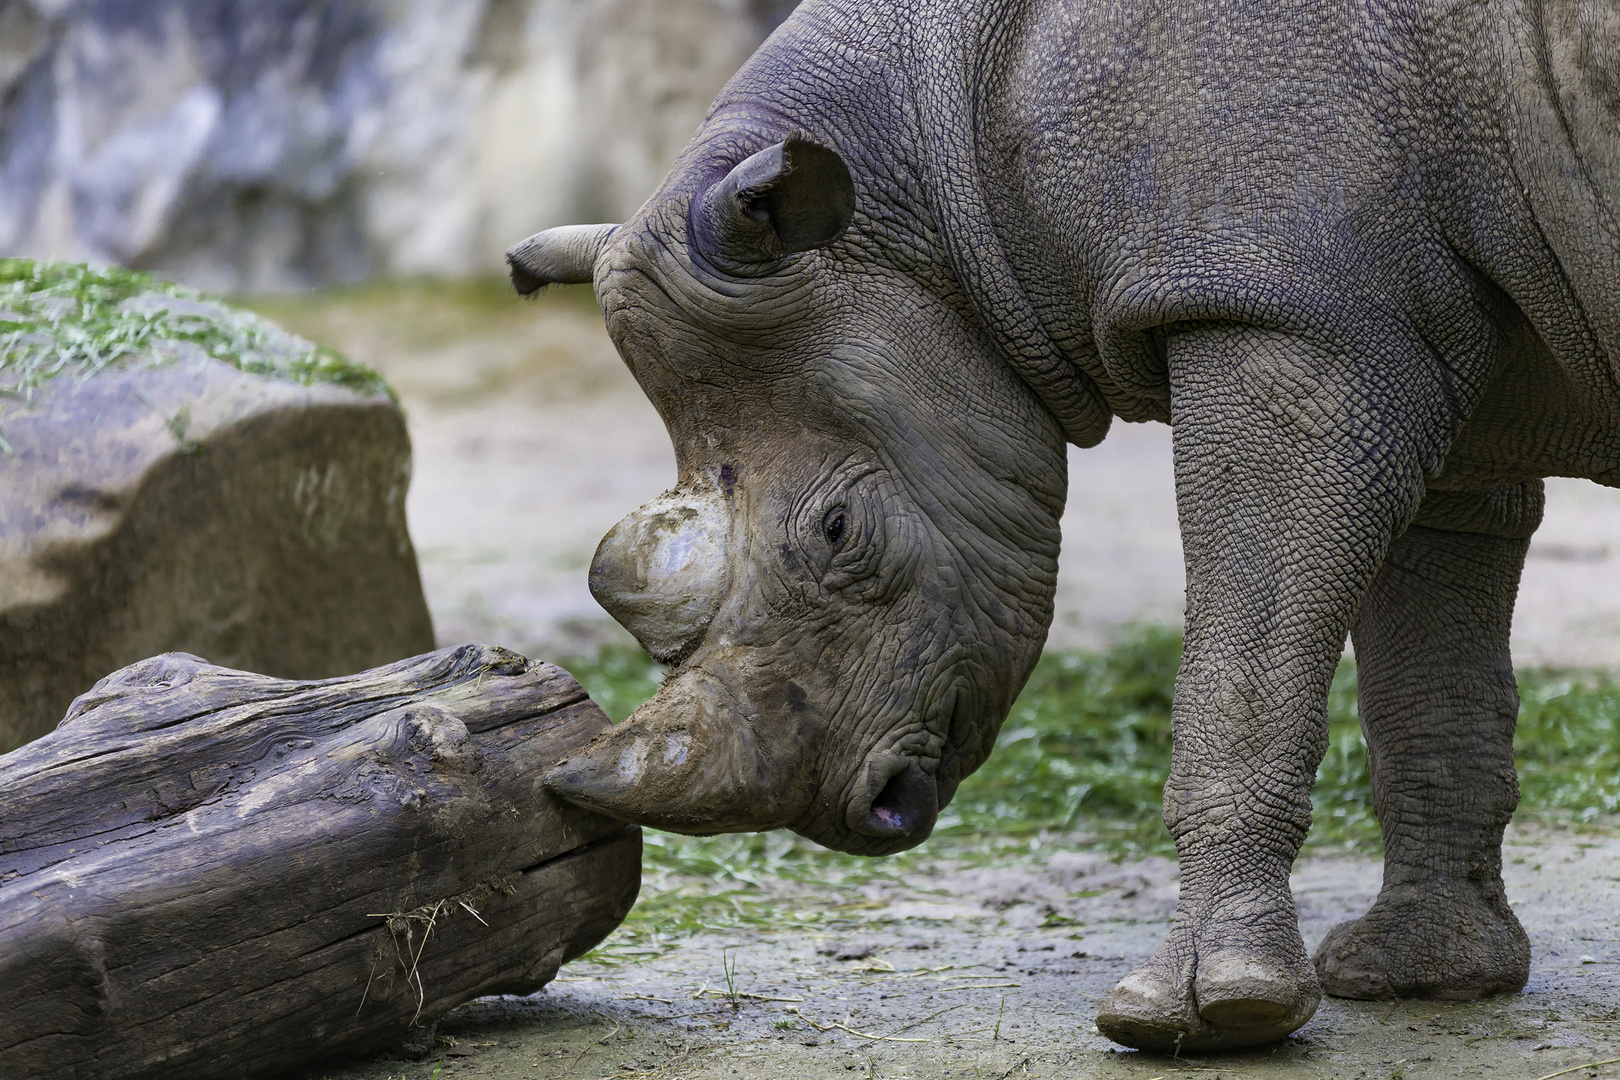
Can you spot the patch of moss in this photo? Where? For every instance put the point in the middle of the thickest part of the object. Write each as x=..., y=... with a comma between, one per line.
x=73, y=319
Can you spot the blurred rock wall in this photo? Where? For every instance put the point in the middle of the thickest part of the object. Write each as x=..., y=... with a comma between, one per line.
x=281, y=144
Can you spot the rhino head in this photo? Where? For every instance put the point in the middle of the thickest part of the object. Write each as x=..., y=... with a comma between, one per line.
x=854, y=575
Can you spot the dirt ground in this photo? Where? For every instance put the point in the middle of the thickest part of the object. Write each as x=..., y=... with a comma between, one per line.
x=531, y=440
x=996, y=974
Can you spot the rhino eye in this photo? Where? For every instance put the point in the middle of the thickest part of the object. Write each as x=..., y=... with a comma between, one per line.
x=833, y=529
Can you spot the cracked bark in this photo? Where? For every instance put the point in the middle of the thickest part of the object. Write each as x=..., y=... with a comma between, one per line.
x=214, y=873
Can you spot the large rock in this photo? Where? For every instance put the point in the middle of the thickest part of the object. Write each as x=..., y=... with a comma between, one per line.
x=248, y=518
x=247, y=145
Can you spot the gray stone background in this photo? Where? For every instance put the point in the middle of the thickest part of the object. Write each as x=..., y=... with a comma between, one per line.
x=275, y=144
x=265, y=146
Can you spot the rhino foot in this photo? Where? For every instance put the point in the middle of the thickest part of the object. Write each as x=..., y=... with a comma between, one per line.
x=1457, y=942
x=1231, y=999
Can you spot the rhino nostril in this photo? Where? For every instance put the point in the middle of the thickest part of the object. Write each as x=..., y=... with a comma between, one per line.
x=907, y=803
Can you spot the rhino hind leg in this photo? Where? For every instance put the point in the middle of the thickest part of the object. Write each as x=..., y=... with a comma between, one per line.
x=1438, y=705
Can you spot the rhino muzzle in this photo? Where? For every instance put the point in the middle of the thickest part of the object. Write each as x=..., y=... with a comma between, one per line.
x=662, y=571
x=901, y=800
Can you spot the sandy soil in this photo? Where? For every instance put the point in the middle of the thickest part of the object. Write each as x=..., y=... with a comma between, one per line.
x=531, y=441
x=996, y=974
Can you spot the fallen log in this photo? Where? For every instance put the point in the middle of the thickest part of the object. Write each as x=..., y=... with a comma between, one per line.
x=211, y=873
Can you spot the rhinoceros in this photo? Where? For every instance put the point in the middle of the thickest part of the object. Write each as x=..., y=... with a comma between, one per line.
x=1364, y=259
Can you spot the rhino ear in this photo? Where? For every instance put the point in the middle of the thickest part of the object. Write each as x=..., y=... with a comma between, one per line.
x=794, y=196
x=565, y=255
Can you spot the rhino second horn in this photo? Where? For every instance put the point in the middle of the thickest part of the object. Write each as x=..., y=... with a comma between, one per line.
x=662, y=571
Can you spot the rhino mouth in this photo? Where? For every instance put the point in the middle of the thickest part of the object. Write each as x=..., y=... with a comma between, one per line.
x=900, y=801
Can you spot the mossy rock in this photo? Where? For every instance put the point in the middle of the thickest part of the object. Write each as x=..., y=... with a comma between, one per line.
x=71, y=319
x=178, y=475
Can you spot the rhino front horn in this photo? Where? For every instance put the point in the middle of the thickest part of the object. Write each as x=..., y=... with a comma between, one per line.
x=565, y=255
x=691, y=760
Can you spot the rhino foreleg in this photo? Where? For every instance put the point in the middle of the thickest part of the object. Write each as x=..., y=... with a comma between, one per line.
x=1438, y=705
x=1291, y=482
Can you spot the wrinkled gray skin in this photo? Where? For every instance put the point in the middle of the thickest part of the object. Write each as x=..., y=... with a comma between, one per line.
x=1364, y=259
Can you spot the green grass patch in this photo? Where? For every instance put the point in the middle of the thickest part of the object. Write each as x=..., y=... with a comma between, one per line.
x=1568, y=745
x=1084, y=753
x=425, y=313
x=72, y=319
x=1082, y=761
x=462, y=302
x=618, y=678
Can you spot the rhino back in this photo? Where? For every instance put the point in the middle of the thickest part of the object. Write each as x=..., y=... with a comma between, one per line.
x=1282, y=162
x=1091, y=174
x=1420, y=178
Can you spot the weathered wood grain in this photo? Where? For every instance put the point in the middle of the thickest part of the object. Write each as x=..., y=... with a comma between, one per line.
x=210, y=873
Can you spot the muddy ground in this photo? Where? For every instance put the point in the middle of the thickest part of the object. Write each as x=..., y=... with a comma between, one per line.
x=531, y=441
